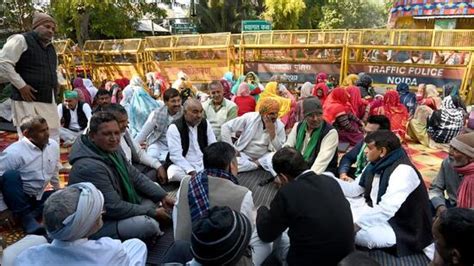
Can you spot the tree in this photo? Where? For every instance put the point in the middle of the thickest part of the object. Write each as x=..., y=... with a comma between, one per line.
x=285, y=14
x=82, y=20
x=17, y=15
x=349, y=14
x=223, y=15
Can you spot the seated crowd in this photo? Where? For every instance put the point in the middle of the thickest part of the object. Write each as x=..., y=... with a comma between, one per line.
x=125, y=144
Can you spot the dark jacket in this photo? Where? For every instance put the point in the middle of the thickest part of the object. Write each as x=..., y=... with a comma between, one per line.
x=88, y=166
x=350, y=158
x=37, y=67
x=318, y=216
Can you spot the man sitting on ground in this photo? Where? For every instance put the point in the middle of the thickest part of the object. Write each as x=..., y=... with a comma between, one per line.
x=394, y=202
x=356, y=154
x=453, y=231
x=135, y=155
x=102, y=99
x=218, y=110
x=187, y=137
x=155, y=127
x=317, y=236
x=261, y=134
x=130, y=197
x=26, y=168
x=74, y=116
x=314, y=138
x=72, y=215
x=456, y=171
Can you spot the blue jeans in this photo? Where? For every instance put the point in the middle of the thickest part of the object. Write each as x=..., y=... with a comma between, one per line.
x=17, y=201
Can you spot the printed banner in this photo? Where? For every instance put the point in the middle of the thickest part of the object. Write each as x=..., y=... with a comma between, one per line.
x=298, y=73
x=197, y=72
x=412, y=75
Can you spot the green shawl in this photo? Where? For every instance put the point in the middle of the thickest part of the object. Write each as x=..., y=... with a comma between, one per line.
x=312, y=141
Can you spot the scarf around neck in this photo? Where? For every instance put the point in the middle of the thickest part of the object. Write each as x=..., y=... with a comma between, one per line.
x=379, y=167
x=198, y=191
x=119, y=164
x=466, y=189
x=313, y=141
x=361, y=160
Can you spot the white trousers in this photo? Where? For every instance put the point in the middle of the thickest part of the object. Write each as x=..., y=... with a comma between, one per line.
x=136, y=251
x=69, y=136
x=261, y=250
x=176, y=173
x=246, y=163
x=157, y=151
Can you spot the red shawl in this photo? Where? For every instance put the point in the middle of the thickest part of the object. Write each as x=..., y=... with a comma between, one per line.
x=395, y=111
x=358, y=104
x=337, y=103
x=466, y=189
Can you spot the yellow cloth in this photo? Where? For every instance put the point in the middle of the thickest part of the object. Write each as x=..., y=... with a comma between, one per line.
x=270, y=92
x=350, y=80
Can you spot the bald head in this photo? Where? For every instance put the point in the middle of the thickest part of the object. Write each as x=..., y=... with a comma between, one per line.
x=193, y=112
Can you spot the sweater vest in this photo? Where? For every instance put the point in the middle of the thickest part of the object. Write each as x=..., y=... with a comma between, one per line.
x=222, y=192
x=81, y=116
x=37, y=67
x=412, y=222
x=332, y=166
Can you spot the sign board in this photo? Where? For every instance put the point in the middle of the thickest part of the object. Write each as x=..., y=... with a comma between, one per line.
x=298, y=73
x=412, y=75
x=197, y=72
x=183, y=28
x=256, y=25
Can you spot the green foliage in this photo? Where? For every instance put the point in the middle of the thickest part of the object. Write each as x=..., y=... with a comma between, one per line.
x=82, y=20
x=284, y=14
x=223, y=15
x=350, y=14
x=17, y=15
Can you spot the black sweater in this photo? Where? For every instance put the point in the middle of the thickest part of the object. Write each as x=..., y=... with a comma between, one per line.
x=318, y=216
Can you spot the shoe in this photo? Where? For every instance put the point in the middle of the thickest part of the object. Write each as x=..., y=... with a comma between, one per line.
x=31, y=226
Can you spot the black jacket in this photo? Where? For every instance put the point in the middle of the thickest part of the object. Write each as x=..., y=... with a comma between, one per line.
x=318, y=216
x=87, y=166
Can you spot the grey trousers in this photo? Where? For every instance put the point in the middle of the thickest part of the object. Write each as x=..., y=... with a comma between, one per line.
x=142, y=227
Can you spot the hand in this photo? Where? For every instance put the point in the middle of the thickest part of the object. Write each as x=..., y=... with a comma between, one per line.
x=192, y=173
x=167, y=202
x=345, y=177
x=269, y=126
x=162, y=215
x=161, y=175
x=440, y=210
x=27, y=93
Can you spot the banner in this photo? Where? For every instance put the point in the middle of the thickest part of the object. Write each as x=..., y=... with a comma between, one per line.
x=412, y=75
x=197, y=71
x=299, y=73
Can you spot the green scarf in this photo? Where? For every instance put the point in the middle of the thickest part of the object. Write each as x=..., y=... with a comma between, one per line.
x=117, y=160
x=312, y=141
x=361, y=161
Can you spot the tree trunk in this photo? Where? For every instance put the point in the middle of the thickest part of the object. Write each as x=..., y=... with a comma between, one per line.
x=83, y=33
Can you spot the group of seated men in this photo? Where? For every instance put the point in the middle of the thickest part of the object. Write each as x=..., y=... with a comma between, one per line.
x=315, y=218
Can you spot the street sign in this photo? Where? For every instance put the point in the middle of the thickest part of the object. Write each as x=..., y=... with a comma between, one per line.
x=256, y=25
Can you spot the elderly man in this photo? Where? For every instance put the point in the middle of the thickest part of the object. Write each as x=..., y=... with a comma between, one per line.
x=130, y=197
x=155, y=127
x=74, y=116
x=187, y=137
x=29, y=61
x=260, y=134
x=27, y=167
x=217, y=109
x=71, y=216
x=394, y=201
x=314, y=138
x=455, y=176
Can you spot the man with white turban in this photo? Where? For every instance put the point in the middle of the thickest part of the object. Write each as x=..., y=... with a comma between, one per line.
x=71, y=216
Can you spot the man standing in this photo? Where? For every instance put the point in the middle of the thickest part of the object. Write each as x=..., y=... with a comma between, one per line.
x=261, y=133
x=155, y=127
x=218, y=110
x=356, y=154
x=394, y=201
x=130, y=197
x=313, y=209
x=74, y=116
x=29, y=62
x=187, y=137
x=314, y=138
x=455, y=176
x=27, y=167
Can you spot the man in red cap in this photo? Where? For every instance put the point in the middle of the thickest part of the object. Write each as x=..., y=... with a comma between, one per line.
x=29, y=62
